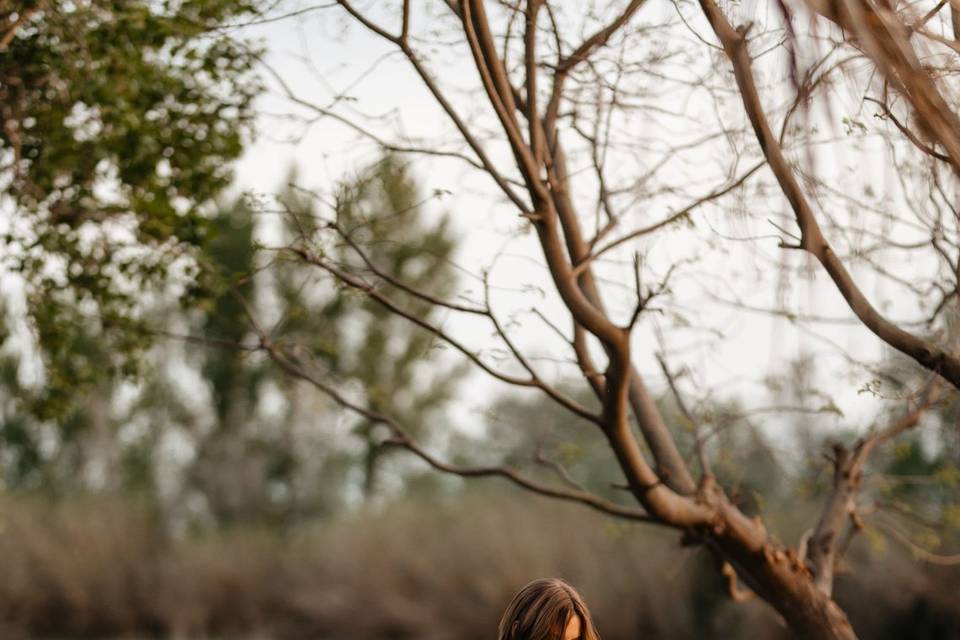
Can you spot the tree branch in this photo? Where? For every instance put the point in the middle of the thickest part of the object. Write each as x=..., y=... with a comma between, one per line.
x=12, y=30
x=402, y=438
x=813, y=241
x=848, y=470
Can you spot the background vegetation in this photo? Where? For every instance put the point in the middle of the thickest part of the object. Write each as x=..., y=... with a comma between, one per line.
x=160, y=477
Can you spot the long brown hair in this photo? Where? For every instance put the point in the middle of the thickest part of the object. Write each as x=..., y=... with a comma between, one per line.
x=541, y=610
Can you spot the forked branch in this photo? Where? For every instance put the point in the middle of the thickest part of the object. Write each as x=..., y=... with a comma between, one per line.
x=812, y=240
x=847, y=474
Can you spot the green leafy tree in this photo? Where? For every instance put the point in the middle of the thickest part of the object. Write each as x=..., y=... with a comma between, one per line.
x=120, y=119
x=553, y=445
x=916, y=482
x=49, y=439
x=246, y=463
x=395, y=363
x=283, y=466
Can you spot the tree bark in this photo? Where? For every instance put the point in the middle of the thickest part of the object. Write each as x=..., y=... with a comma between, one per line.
x=820, y=620
x=777, y=574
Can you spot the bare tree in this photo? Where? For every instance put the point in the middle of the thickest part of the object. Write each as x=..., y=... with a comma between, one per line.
x=585, y=121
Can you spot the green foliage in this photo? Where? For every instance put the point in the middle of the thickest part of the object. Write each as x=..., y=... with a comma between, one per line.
x=120, y=119
x=245, y=464
x=280, y=469
x=520, y=427
x=358, y=339
x=916, y=477
x=146, y=96
x=229, y=258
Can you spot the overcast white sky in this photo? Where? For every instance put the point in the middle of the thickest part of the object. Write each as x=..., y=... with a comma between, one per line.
x=321, y=54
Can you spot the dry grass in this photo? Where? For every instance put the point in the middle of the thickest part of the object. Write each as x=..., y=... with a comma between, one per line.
x=432, y=572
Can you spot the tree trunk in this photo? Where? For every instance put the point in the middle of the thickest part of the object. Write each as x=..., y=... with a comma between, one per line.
x=809, y=613
x=820, y=619
x=788, y=586
x=775, y=573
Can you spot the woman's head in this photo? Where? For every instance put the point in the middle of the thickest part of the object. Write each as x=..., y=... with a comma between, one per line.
x=547, y=609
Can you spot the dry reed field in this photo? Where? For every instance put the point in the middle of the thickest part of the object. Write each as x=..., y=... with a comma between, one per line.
x=98, y=568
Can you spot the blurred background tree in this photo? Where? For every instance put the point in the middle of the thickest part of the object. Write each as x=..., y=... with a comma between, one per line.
x=120, y=122
x=213, y=433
